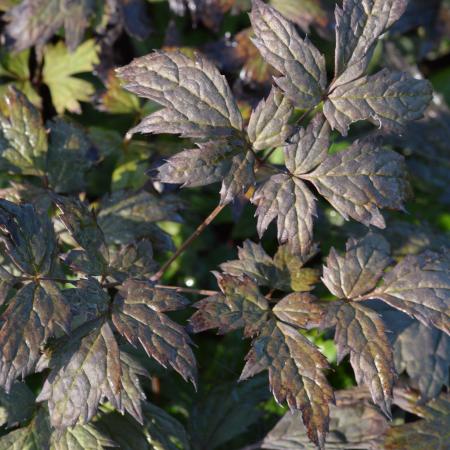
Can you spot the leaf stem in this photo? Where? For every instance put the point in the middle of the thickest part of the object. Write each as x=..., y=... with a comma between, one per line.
x=188, y=241
x=187, y=290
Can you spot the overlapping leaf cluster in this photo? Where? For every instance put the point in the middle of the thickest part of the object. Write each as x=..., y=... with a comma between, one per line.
x=82, y=308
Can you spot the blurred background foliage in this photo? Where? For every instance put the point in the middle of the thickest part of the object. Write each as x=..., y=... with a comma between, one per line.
x=64, y=62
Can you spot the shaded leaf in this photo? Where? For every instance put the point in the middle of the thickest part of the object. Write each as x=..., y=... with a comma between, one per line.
x=35, y=436
x=208, y=163
x=295, y=374
x=293, y=205
x=361, y=179
x=197, y=99
x=359, y=24
x=17, y=406
x=84, y=371
x=240, y=305
x=138, y=317
x=23, y=139
x=27, y=238
x=268, y=126
x=84, y=229
x=60, y=66
x=34, y=22
x=36, y=312
x=359, y=270
x=67, y=160
x=301, y=64
x=420, y=286
x=353, y=424
x=389, y=99
x=308, y=147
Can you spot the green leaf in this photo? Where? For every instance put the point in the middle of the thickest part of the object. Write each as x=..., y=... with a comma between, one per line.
x=240, y=305
x=389, y=99
x=60, y=66
x=268, y=126
x=295, y=374
x=67, y=160
x=196, y=97
x=23, y=139
x=28, y=238
x=81, y=437
x=301, y=64
x=34, y=22
x=138, y=317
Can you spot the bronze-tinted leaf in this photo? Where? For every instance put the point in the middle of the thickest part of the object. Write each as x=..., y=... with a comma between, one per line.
x=293, y=205
x=239, y=178
x=27, y=238
x=420, y=286
x=207, y=164
x=301, y=64
x=23, y=140
x=389, y=99
x=197, y=99
x=360, y=332
x=35, y=313
x=84, y=372
x=81, y=437
x=308, y=147
x=138, y=317
x=354, y=423
x=268, y=126
x=284, y=271
x=295, y=374
x=34, y=22
x=240, y=305
x=361, y=179
x=359, y=270
x=359, y=24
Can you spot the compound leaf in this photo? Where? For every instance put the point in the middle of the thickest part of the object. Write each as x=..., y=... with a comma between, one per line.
x=35, y=313
x=138, y=317
x=81, y=437
x=359, y=270
x=240, y=305
x=301, y=64
x=361, y=179
x=308, y=147
x=359, y=24
x=268, y=126
x=293, y=205
x=295, y=374
x=60, y=66
x=419, y=285
x=197, y=99
x=23, y=139
x=389, y=99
